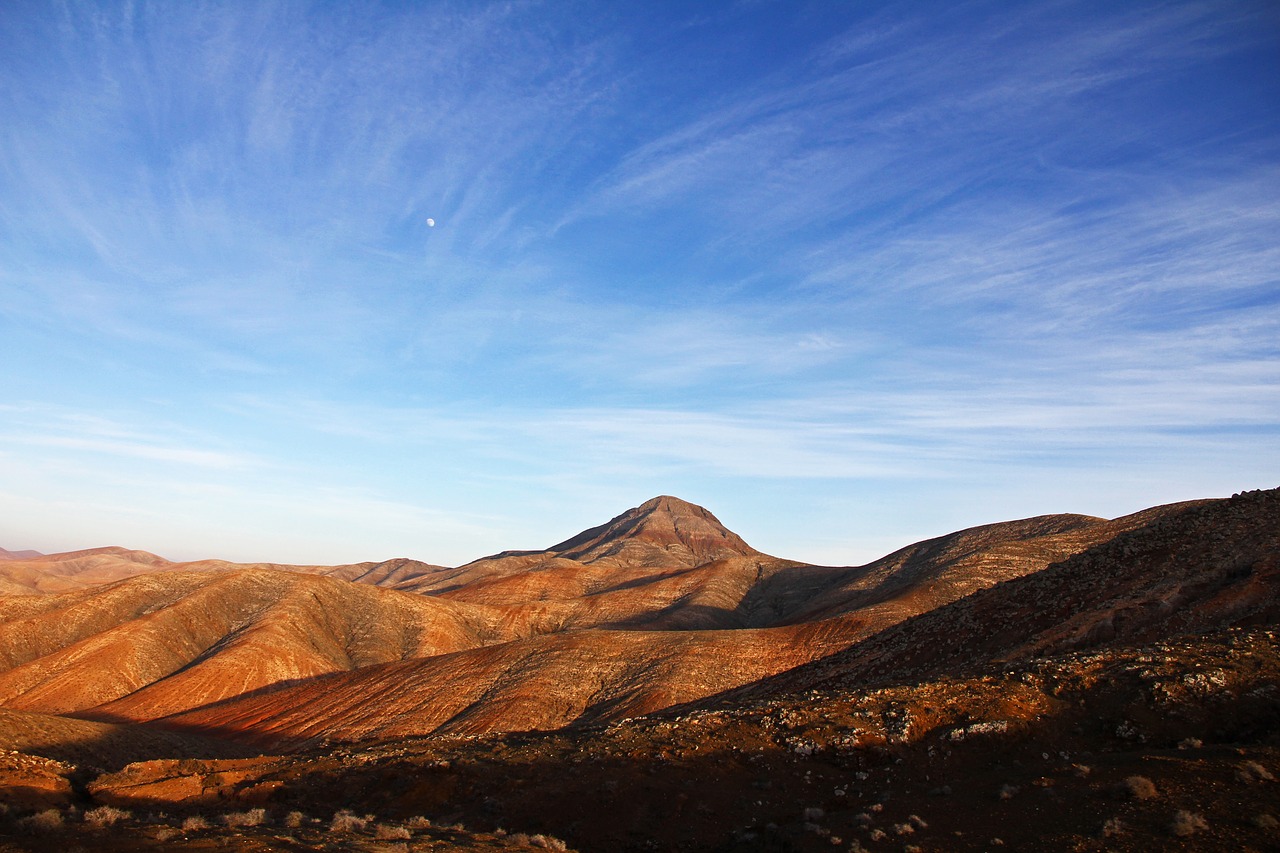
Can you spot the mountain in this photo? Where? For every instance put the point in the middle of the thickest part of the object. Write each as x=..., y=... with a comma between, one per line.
x=620, y=620
x=159, y=643
x=18, y=555
x=664, y=531
x=1194, y=568
x=1062, y=682
x=546, y=682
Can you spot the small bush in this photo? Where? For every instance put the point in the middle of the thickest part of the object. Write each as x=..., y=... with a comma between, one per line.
x=105, y=816
x=917, y=821
x=1252, y=771
x=1112, y=828
x=903, y=828
x=293, y=820
x=1190, y=743
x=194, y=824
x=387, y=832
x=1007, y=791
x=347, y=821
x=41, y=823
x=165, y=833
x=1187, y=823
x=253, y=817
x=548, y=842
x=1140, y=788
x=418, y=822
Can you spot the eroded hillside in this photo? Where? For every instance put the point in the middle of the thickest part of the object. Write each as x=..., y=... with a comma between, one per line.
x=1061, y=682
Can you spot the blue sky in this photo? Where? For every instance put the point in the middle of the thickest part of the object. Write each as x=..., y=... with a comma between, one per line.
x=848, y=274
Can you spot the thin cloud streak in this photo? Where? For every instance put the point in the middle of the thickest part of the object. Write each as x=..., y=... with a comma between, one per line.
x=943, y=251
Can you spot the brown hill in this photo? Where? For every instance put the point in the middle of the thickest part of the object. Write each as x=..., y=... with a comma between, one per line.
x=77, y=569
x=541, y=683
x=158, y=643
x=18, y=555
x=664, y=531
x=171, y=642
x=1191, y=568
x=928, y=574
x=26, y=572
x=1121, y=697
x=1167, y=746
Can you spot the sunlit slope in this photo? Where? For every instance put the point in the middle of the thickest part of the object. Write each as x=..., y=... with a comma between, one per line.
x=185, y=639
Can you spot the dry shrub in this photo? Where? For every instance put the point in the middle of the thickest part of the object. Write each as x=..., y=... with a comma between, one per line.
x=347, y=821
x=253, y=817
x=1187, y=823
x=418, y=822
x=1112, y=828
x=1140, y=788
x=1252, y=771
x=105, y=816
x=165, y=833
x=519, y=838
x=293, y=820
x=40, y=823
x=917, y=821
x=387, y=832
x=194, y=823
x=547, y=842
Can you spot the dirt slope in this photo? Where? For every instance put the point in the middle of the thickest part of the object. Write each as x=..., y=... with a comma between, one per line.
x=1201, y=567
x=158, y=643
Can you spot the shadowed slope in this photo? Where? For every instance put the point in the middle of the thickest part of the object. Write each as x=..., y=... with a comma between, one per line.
x=936, y=571
x=1199, y=567
x=103, y=744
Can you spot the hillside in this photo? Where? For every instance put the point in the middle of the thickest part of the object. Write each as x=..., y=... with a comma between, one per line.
x=159, y=643
x=1061, y=682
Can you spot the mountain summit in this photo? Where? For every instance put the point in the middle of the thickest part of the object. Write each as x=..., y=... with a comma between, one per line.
x=664, y=530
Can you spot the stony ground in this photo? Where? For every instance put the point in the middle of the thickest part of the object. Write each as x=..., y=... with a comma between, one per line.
x=1169, y=746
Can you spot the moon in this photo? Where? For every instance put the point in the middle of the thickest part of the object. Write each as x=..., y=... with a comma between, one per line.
x=431, y=223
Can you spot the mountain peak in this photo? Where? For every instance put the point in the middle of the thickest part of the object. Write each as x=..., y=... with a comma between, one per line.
x=672, y=505
x=662, y=529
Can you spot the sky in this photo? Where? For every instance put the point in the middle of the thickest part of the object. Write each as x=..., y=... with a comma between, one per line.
x=850, y=275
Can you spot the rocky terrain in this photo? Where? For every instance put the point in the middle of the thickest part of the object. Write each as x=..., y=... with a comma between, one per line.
x=654, y=683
